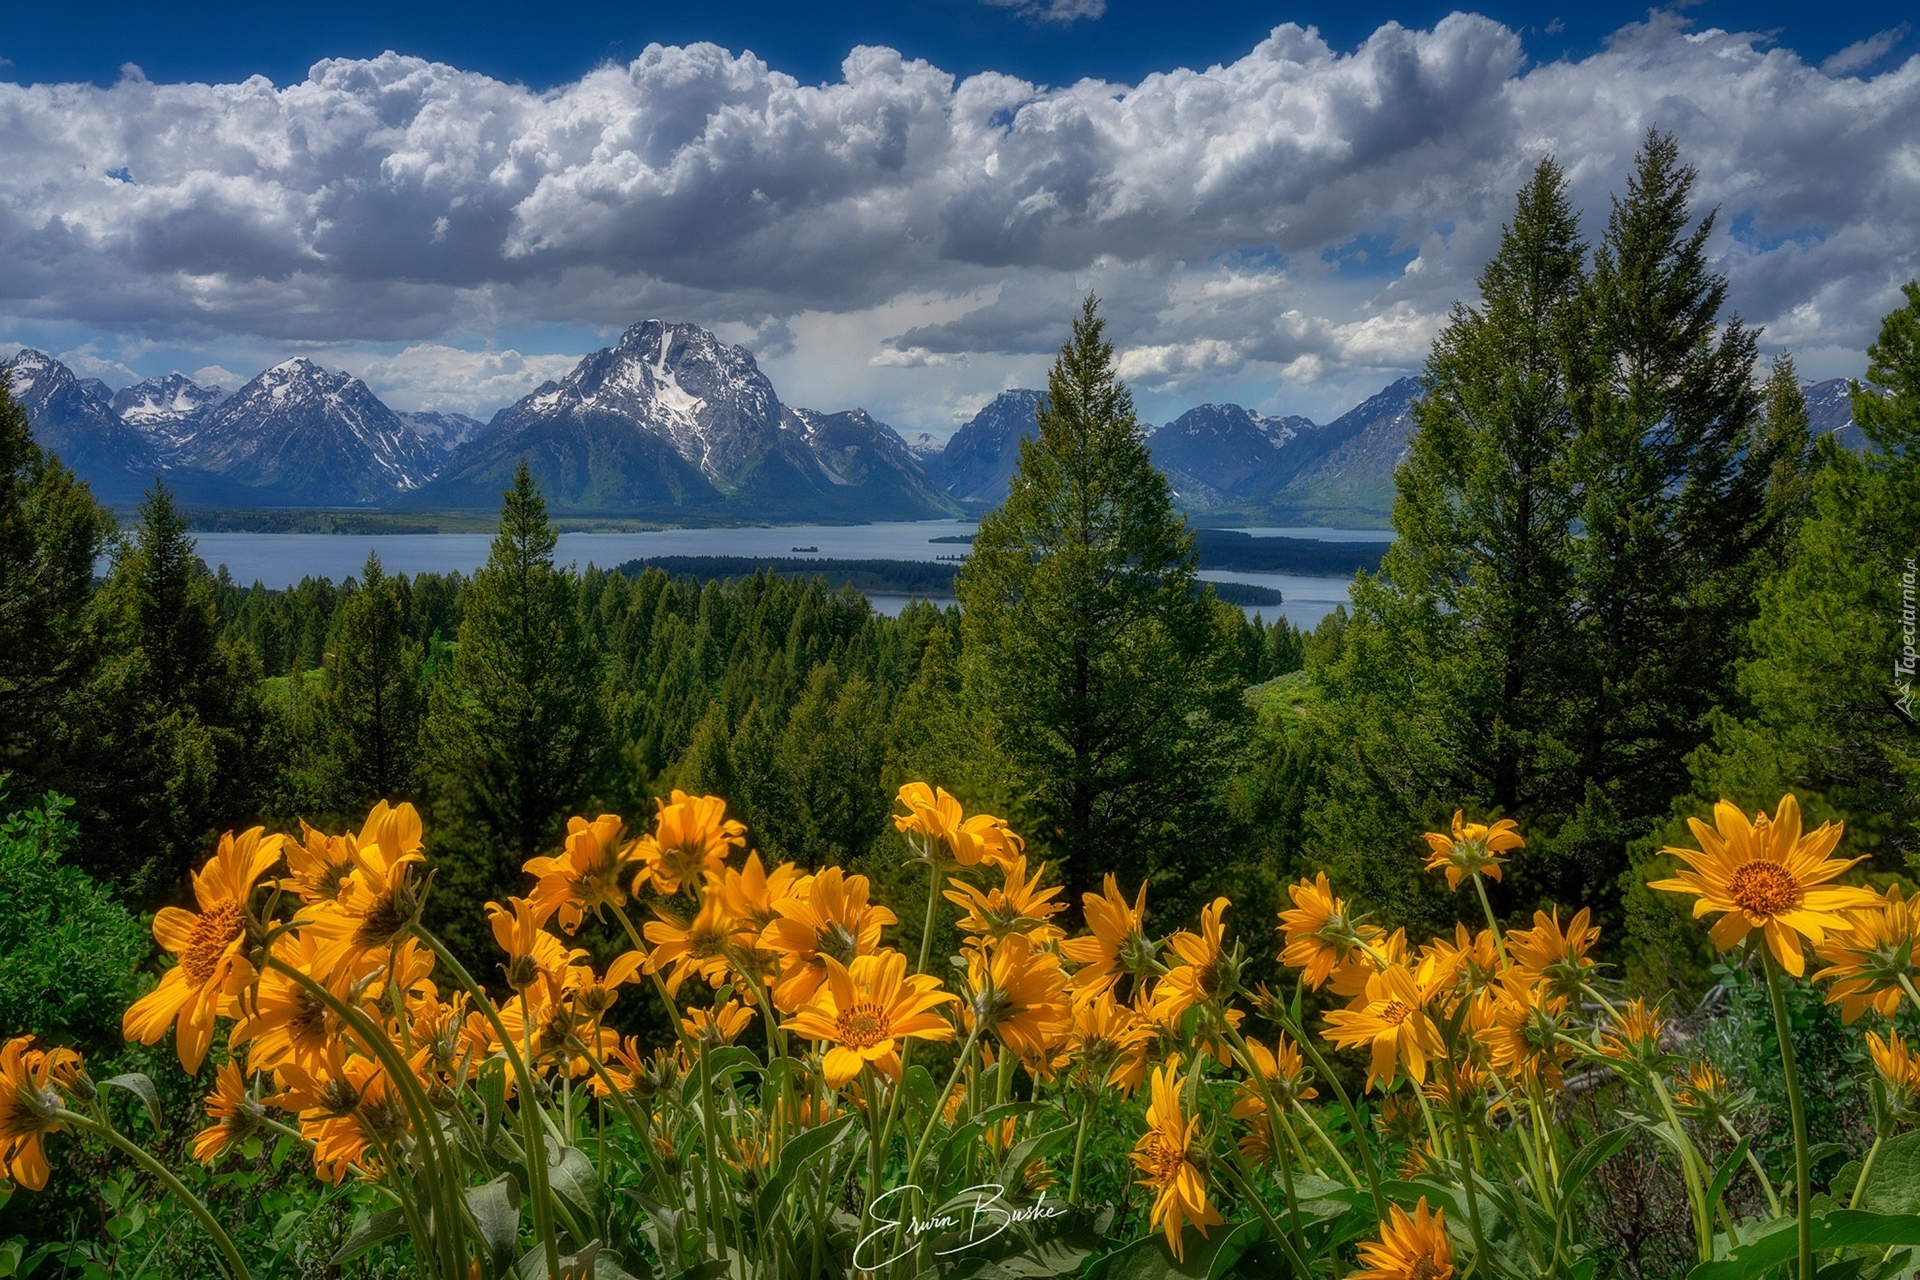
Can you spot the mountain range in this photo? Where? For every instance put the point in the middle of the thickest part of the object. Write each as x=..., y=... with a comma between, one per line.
x=671, y=423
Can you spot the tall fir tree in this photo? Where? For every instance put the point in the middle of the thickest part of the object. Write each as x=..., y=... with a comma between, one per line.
x=514, y=729
x=1452, y=682
x=1829, y=708
x=51, y=533
x=1673, y=470
x=178, y=714
x=1096, y=653
x=374, y=700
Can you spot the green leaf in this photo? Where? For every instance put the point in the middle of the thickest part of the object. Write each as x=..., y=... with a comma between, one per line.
x=572, y=1175
x=381, y=1226
x=712, y=1269
x=1206, y=1257
x=594, y=1262
x=794, y=1156
x=1025, y=1153
x=140, y=1084
x=1591, y=1157
x=1725, y=1173
x=496, y=1211
x=1779, y=1241
x=970, y=1130
x=1893, y=1184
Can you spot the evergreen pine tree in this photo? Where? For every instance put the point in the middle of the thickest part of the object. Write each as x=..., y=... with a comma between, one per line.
x=1097, y=655
x=1451, y=686
x=51, y=532
x=178, y=714
x=1673, y=473
x=513, y=735
x=1830, y=711
x=374, y=700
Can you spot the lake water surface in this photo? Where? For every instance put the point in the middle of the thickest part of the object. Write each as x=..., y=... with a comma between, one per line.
x=279, y=560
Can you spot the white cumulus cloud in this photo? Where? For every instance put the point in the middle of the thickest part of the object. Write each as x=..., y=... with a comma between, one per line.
x=1302, y=214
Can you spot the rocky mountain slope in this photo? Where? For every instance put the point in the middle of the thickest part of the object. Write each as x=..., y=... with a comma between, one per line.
x=974, y=467
x=670, y=421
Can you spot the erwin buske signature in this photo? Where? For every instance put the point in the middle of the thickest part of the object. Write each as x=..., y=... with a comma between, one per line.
x=976, y=1214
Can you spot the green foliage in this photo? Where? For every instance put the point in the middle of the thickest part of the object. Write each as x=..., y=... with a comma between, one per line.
x=1101, y=662
x=1596, y=486
x=1823, y=713
x=51, y=532
x=374, y=704
x=514, y=731
x=67, y=949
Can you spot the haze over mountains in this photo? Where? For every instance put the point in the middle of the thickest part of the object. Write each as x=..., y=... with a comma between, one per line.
x=673, y=424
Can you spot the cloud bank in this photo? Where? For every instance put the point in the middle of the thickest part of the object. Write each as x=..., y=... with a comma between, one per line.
x=1291, y=224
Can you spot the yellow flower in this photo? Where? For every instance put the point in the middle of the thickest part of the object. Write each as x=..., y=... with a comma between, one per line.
x=690, y=836
x=1524, y=1034
x=753, y=895
x=1706, y=1095
x=1320, y=935
x=1206, y=973
x=589, y=873
x=866, y=1010
x=1899, y=1070
x=1555, y=959
x=936, y=816
x=1868, y=961
x=1164, y=1157
x=1103, y=1036
x=722, y=1024
x=281, y=1021
x=360, y=1112
x=1019, y=993
x=1116, y=944
x=827, y=917
x=378, y=902
x=212, y=970
x=1636, y=1036
x=700, y=946
x=319, y=864
x=28, y=1099
x=234, y=1113
x=1472, y=849
x=1286, y=1078
x=1473, y=957
x=1393, y=1022
x=1409, y=1248
x=1765, y=875
x=1019, y=905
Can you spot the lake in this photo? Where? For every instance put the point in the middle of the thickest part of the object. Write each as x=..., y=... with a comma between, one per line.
x=282, y=559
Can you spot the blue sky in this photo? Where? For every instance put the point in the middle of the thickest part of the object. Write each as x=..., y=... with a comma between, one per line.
x=1276, y=214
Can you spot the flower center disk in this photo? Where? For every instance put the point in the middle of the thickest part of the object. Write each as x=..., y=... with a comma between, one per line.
x=212, y=933
x=1764, y=888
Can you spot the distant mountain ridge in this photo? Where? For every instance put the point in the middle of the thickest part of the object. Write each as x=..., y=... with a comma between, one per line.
x=672, y=423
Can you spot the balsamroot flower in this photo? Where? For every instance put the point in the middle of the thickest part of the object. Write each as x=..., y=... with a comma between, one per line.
x=691, y=836
x=1320, y=934
x=1766, y=875
x=1164, y=1156
x=280, y=1020
x=1393, y=1021
x=752, y=894
x=1554, y=958
x=1105, y=1034
x=1116, y=943
x=1410, y=1247
x=234, y=1112
x=936, y=817
x=588, y=874
x=827, y=917
x=697, y=946
x=1899, y=1071
x=320, y=864
x=722, y=1024
x=866, y=1009
x=212, y=968
x=1019, y=993
x=1871, y=963
x=1635, y=1035
x=1019, y=905
x=1208, y=972
x=378, y=902
x=1472, y=849
x=28, y=1100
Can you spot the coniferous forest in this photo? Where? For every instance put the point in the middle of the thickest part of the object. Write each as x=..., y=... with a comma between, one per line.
x=1632, y=601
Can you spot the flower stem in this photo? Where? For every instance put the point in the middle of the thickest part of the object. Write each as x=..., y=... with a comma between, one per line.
x=1802, y=1167
x=188, y=1201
